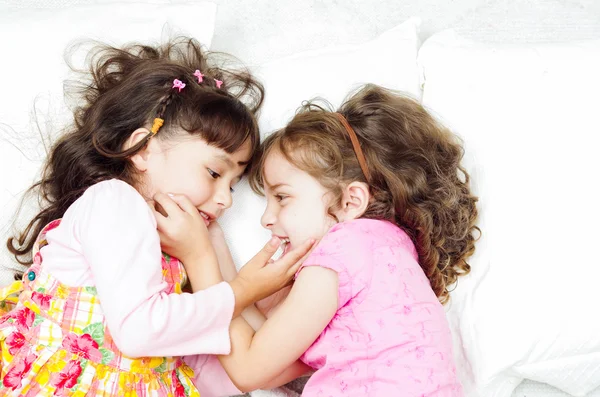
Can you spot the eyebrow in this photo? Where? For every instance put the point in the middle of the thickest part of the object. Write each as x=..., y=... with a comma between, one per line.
x=276, y=186
x=228, y=161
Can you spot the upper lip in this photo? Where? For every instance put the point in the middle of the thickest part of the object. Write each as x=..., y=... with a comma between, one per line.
x=281, y=237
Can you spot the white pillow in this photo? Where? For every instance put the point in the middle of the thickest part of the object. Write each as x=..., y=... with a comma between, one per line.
x=529, y=118
x=389, y=60
x=33, y=70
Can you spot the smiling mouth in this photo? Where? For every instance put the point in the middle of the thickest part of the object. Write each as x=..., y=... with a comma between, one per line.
x=207, y=218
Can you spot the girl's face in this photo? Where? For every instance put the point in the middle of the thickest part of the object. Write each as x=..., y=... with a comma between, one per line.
x=297, y=203
x=203, y=173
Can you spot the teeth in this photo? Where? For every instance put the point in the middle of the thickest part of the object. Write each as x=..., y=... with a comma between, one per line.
x=281, y=249
x=204, y=216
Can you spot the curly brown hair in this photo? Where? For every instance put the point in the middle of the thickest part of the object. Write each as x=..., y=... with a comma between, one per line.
x=416, y=182
x=126, y=88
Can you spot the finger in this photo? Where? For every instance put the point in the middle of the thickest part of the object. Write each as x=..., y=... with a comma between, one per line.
x=158, y=215
x=185, y=204
x=265, y=254
x=169, y=206
x=163, y=246
x=161, y=237
x=296, y=256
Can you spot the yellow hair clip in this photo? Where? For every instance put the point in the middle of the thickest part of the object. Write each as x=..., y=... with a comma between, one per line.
x=158, y=122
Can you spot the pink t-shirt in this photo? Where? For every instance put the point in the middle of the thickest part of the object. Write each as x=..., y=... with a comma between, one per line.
x=389, y=336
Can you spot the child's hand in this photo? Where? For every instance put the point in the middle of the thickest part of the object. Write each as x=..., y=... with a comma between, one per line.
x=262, y=276
x=183, y=233
x=215, y=233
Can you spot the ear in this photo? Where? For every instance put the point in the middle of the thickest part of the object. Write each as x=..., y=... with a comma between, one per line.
x=140, y=159
x=354, y=201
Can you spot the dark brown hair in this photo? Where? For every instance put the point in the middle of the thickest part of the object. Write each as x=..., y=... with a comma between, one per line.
x=124, y=89
x=417, y=181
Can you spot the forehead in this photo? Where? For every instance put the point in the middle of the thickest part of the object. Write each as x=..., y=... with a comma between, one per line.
x=276, y=167
x=197, y=148
x=278, y=170
x=242, y=155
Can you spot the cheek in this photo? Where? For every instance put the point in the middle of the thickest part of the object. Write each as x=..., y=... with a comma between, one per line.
x=196, y=188
x=307, y=222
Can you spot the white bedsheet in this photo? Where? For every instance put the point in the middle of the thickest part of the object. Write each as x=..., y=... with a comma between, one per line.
x=261, y=30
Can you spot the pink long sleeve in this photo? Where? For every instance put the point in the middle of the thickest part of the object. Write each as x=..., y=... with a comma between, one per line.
x=114, y=231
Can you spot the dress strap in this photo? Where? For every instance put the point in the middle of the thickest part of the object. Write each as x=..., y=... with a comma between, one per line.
x=41, y=239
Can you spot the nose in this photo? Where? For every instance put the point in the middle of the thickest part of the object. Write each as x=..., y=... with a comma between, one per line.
x=268, y=218
x=223, y=196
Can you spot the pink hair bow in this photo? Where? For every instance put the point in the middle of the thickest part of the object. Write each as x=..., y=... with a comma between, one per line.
x=178, y=84
x=219, y=83
x=199, y=75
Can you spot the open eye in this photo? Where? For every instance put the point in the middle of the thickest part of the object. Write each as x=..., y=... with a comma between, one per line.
x=280, y=197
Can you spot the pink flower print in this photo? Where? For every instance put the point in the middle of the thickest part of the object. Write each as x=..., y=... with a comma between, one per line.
x=15, y=341
x=15, y=375
x=83, y=345
x=179, y=389
x=42, y=300
x=380, y=323
x=24, y=318
x=407, y=310
x=391, y=268
x=67, y=378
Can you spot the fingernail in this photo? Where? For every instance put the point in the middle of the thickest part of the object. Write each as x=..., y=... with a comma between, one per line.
x=170, y=195
x=274, y=241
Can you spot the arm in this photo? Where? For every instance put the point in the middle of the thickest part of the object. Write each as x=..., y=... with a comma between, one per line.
x=200, y=261
x=294, y=371
x=251, y=314
x=206, y=274
x=257, y=359
x=116, y=231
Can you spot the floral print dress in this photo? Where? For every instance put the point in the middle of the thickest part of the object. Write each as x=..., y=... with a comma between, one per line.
x=54, y=342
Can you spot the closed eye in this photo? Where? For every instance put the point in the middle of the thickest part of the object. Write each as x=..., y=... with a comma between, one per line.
x=213, y=174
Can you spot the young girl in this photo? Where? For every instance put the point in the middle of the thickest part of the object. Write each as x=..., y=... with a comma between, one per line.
x=380, y=183
x=100, y=296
